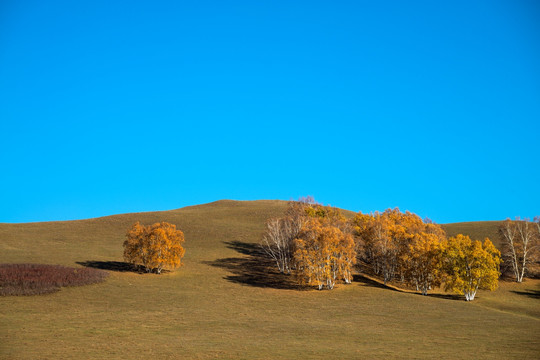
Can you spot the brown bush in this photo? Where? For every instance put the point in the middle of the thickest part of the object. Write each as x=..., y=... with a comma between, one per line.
x=36, y=279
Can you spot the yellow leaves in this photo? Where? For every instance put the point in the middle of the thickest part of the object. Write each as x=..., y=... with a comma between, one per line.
x=155, y=247
x=423, y=261
x=470, y=265
x=324, y=254
x=386, y=240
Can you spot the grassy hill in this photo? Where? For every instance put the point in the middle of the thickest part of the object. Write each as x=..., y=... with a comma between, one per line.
x=477, y=230
x=227, y=301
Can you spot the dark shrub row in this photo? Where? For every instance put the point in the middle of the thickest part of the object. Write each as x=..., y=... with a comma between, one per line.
x=35, y=279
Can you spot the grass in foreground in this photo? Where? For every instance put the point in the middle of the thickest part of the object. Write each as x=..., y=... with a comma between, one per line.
x=224, y=303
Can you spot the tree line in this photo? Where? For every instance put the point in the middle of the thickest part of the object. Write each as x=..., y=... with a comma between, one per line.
x=321, y=247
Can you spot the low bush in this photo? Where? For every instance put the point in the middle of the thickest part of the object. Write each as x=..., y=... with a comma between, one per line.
x=36, y=279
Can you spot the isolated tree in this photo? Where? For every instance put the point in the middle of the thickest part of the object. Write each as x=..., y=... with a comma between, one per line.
x=470, y=265
x=324, y=254
x=155, y=247
x=520, y=240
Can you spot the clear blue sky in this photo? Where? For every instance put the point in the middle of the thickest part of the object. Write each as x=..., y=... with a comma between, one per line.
x=109, y=107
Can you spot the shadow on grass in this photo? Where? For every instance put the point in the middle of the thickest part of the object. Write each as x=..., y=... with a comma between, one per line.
x=454, y=297
x=535, y=294
x=119, y=266
x=364, y=280
x=254, y=269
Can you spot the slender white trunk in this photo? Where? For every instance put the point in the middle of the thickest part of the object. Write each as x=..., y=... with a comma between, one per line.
x=469, y=296
x=523, y=265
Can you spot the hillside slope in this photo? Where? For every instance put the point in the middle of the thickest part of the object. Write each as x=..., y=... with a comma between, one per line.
x=477, y=230
x=227, y=301
x=67, y=242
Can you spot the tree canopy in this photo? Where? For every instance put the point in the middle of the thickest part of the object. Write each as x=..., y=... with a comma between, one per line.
x=470, y=265
x=155, y=247
x=321, y=247
x=324, y=254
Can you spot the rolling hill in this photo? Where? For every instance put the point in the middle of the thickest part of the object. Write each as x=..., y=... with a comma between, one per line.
x=227, y=301
x=477, y=230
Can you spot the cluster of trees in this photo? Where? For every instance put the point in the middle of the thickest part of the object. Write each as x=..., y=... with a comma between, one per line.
x=321, y=247
x=392, y=242
x=154, y=247
x=324, y=253
x=400, y=246
x=313, y=240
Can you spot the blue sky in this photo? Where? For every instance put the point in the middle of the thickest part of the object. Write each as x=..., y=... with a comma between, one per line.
x=109, y=107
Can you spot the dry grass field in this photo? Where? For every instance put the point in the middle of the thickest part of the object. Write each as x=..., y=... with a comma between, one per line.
x=228, y=302
x=477, y=230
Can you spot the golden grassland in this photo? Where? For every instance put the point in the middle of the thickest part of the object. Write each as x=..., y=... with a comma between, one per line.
x=228, y=302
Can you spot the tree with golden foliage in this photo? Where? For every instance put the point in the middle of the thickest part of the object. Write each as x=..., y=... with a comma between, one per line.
x=324, y=254
x=521, y=245
x=470, y=265
x=424, y=262
x=387, y=239
x=278, y=241
x=155, y=247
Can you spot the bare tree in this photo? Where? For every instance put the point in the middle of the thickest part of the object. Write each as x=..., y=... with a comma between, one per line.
x=520, y=239
x=278, y=240
x=310, y=200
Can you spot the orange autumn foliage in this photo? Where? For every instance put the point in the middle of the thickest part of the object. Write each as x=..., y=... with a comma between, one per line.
x=155, y=247
x=324, y=254
x=400, y=245
x=424, y=267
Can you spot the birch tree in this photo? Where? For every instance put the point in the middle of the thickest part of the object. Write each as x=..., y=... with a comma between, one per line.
x=470, y=265
x=324, y=254
x=378, y=247
x=424, y=262
x=278, y=239
x=385, y=241
x=520, y=241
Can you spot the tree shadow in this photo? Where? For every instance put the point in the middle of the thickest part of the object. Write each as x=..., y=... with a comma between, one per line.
x=118, y=266
x=454, y=297
x=364, y=280
x=254, y=269
x=535, y=294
